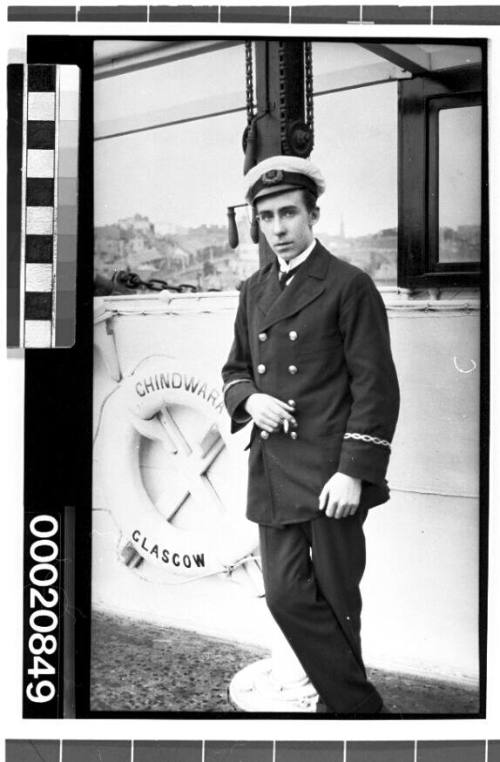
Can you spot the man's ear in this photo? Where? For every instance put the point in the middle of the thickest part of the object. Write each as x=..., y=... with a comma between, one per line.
x=314, y=215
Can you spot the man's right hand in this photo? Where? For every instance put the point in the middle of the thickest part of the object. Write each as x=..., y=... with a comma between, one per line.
x=267, y=412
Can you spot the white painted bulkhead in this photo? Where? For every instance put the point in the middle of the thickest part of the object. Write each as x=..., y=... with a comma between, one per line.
x=421, y=586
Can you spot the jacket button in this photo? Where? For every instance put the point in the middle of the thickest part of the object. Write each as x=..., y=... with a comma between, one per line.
x=293, y=335
x=262, y=336
x=261, y=368
x=293, y=435
x=292, y=369
x=264, y=435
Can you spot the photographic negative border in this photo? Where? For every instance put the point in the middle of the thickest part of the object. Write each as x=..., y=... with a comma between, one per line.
x=63, y=379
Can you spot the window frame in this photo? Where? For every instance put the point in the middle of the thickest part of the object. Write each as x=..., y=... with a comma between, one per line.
x=435, y=106
x=418, y=176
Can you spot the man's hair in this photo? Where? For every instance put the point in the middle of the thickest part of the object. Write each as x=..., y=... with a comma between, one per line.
x=310, y=199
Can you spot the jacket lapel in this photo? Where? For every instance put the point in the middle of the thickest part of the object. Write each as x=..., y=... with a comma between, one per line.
x=268, y=290
x=275, y=305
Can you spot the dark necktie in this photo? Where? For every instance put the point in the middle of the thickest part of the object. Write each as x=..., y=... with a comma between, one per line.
x=284, y=277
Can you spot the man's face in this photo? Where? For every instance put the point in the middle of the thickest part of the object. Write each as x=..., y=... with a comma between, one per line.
x=286, y=223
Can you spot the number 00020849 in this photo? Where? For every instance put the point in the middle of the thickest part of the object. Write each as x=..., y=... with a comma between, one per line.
x=43, y=599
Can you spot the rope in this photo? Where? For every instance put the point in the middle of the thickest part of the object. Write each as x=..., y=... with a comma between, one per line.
x=166, y=311
x=444, y=306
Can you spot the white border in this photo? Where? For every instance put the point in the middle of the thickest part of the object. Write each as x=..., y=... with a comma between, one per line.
x=12, y=386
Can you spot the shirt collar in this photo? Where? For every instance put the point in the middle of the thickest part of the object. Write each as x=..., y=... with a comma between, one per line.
x=285, y=266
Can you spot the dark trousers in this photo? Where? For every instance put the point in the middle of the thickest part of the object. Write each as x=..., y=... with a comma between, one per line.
x=312, y=572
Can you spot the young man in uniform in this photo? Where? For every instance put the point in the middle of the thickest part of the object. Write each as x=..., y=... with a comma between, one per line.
x=311, y=366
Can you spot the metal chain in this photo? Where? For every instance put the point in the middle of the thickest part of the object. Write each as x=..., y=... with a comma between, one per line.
x=309, y=86
x=249, y=81
x=283, y=112
x=309, y=105
x=132, y=280
x=282, y=100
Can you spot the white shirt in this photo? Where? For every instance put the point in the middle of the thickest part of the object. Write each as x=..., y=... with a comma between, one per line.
x=295, y=262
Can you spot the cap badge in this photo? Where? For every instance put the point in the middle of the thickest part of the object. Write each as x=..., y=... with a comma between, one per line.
x=272, y=177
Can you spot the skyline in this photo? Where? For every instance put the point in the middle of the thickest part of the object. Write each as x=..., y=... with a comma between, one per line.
x=166, y=230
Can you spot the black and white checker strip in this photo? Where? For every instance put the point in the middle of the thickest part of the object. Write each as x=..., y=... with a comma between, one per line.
x=38, y=248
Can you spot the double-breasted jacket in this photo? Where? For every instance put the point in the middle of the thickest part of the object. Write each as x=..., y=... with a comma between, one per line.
x=322, y=342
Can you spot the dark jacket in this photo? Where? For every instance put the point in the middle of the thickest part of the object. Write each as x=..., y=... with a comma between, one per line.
x=323, y=342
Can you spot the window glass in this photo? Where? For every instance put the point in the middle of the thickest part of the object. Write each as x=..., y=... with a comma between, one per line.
x=460, y=184
x=164, y=181
x=356, y=148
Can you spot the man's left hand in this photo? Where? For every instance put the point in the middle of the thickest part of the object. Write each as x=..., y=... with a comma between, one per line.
x=340, y=496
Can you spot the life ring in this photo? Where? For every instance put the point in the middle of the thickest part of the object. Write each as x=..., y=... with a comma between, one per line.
x=148, y=403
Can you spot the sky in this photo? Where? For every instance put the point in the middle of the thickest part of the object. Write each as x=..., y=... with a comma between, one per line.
x=187, y=174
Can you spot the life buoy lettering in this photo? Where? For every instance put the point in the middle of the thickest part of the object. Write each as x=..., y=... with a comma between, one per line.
x=127, y=414
x=167, y=556
x=177, y=380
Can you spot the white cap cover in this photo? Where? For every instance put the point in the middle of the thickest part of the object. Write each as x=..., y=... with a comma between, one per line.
x=281, y=173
